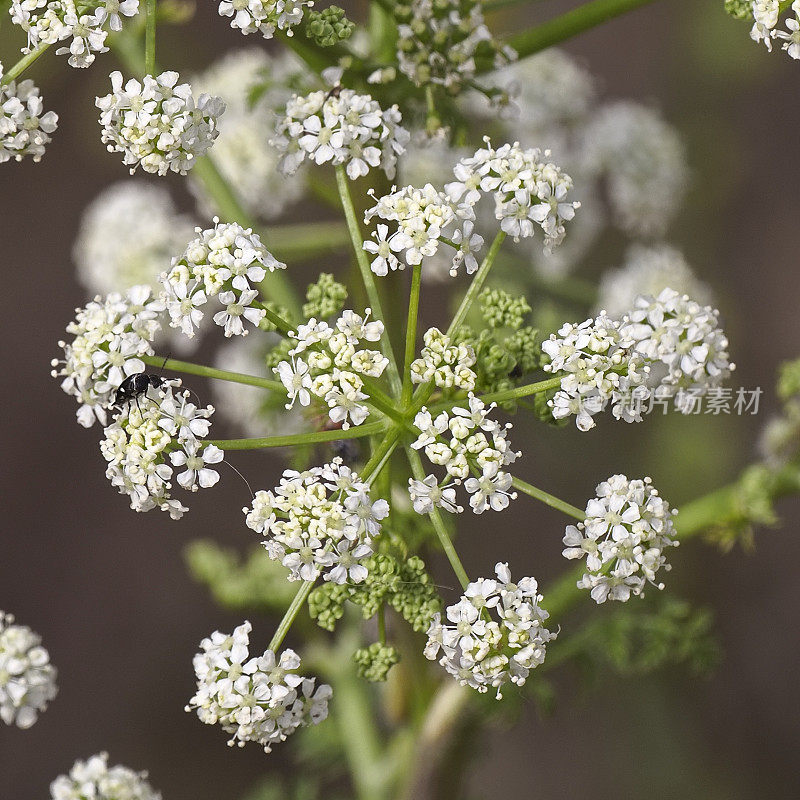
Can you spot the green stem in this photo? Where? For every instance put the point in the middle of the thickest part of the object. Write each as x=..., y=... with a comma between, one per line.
x=150, y=38
x=438, y=523
x=305, y=239
x=581, y=19
x=210, y=372
x=23, y=64
x=297, y=439
x=507, y=394
x=276, y=319
x=382, y=402
x=366, y=273
x=381, y=455
x=411, y=333
x=549, y=499
x=477, y=284
x=291, y=614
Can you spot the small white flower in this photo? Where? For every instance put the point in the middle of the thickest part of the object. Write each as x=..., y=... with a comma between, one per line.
x=264, y=16
x=197, y=474
x=427, y=494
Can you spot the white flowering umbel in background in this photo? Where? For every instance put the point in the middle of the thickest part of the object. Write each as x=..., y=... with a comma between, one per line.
x=93, y=779
x=623, y=538
x=27, y=678
x=258, y=699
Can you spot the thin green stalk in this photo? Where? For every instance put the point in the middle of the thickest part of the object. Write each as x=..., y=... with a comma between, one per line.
x=366, y=273
x=438, y=523
x=477, y=284
x=276, y=319
x=411, y=333
x=549, y=499
x=23, y=64
x=211, y=372
x=297, y=439
x=581, y=19
x=382, y=402
x=307, y=238
x=507, y=394
x=381, y=455
x=150, y=38
x=290, y=615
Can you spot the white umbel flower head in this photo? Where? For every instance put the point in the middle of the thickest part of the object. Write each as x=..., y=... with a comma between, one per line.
x=340, y=127
x=791, y=36
x=155, y=438
x=93, y=779
x=127, y=235
x=766, y=14
x=623, y=538
x=648, y=270
x=329, y=363
x=495, y=634
x=320, y=521
x=27, y=678
x=439, y=40
x=473, y=449
x=24, y=129
x=643, y=162
x=527, y=189
x=258, y=699
x=110, y=336
x=601, y=367
x=447, y=365
x=423, y=217
x=683, y=343
x=240, y=152
x=157, y=124
x=223, y=262
x=50, y=21
x=264, y=16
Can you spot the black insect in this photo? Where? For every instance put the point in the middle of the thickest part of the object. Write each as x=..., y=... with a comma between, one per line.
x=135, y=385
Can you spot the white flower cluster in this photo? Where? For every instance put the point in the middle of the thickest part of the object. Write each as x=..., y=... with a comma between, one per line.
x=643, y=161
x=683, y=343
x=340, y=127
x=447, y=365
x=667, y=347
x=527, y=190
x=157, y=123
x=766, y=15
x=328, y=363
x=623, y=538
x=111, y=335
x=24, y=129
x=496, y=633
x=49, y=21
x=154, y=434
x=255, y=699
x=27, y=678
x=241, y=153
x=648, y=269
x=327, y=523
x=439, y=39
x=423, y=217
x=466, y=442
x=601, y=367
x=93, y=779
x=127, y=235
x=264, y=16
x=223, y=262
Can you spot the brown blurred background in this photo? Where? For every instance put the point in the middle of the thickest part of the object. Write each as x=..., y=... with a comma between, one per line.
x=108, y=590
